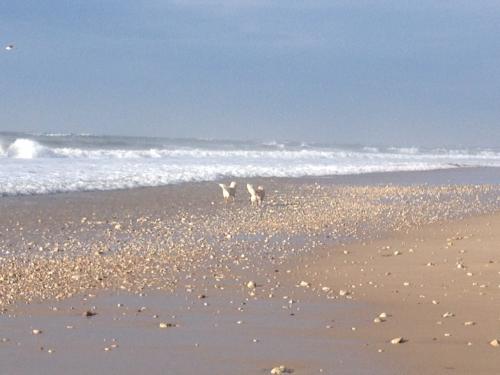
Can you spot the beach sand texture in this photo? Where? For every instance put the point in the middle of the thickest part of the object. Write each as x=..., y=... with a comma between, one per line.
x=321, y=279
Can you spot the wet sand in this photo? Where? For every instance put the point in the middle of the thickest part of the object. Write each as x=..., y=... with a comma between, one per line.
x=440, y=288
x=327, y=256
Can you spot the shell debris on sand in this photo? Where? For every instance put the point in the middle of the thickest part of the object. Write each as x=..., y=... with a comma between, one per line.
x=304, y=284
x=209, y=249
x=278, y=370
x=191, y=244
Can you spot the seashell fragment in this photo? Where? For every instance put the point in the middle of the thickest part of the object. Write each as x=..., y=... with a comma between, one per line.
x=398, y=340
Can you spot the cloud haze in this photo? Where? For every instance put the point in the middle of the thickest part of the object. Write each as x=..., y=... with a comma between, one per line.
x=391, y=72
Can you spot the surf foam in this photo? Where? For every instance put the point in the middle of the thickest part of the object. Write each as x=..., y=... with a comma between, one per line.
x=61, y=163
x=26, y=149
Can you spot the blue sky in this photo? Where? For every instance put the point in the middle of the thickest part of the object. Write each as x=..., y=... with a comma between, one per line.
x=378, y=72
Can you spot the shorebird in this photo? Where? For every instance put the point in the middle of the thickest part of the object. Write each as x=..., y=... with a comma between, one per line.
x=256, y=195
x=228, y=192
x=10, y=47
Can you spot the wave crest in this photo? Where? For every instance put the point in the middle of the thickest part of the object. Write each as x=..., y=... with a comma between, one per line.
x=23, y=148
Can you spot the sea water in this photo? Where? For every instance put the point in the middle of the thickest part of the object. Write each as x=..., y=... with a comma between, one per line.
x=50, y=163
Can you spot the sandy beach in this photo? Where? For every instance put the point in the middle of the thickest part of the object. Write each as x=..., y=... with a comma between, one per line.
x=249, y=187
x=319, y=280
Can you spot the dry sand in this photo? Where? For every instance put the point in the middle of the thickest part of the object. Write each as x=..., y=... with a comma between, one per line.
x=181, y=283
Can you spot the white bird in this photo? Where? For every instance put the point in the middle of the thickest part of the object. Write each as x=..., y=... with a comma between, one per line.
x=9, y=47
x=256, y=195
x=228, y=192
x=253, y=195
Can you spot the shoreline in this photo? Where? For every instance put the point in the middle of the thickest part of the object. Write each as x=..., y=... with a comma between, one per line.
x=142, y=257
x=452, y=175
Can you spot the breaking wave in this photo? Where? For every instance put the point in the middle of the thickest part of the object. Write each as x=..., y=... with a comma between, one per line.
x=26, y=149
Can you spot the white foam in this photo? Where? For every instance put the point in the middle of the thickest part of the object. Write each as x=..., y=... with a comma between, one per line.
x=404, y=150
x=28, y=167
x=26, y=149
x=263, y=154
x=66, y=175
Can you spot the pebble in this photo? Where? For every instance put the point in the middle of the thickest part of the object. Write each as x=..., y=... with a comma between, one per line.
x=495, y=343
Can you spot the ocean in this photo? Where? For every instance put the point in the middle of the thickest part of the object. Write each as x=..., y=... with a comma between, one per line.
x=51, y=163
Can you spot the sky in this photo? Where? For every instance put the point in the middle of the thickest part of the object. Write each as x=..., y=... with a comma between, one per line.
x=369, y=72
